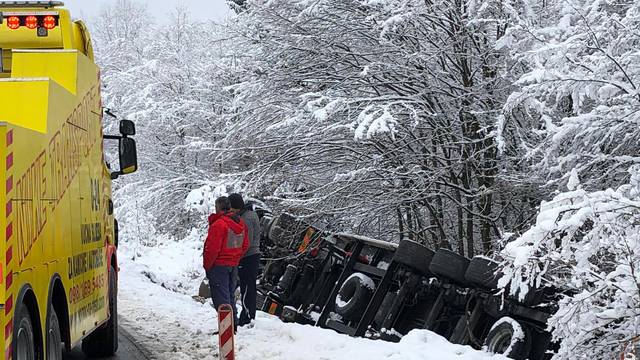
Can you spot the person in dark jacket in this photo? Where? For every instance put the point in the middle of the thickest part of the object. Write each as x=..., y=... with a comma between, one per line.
x=248, y=268
x=226, y=243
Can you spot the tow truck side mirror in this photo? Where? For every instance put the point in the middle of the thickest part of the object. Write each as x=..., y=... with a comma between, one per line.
x=128, y=156
x=127, y=128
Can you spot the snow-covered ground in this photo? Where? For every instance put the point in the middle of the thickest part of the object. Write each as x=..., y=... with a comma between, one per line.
x=175, y=326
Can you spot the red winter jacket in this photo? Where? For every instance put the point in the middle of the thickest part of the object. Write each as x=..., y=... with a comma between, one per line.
x=226, y=242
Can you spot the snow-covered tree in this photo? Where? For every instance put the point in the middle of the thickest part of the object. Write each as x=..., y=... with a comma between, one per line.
x=379, y=117
x=581, y=84
x=587, y=245
x=577, y=109
x=169, y=79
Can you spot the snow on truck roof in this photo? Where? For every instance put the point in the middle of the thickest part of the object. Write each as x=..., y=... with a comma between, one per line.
x=368, y=240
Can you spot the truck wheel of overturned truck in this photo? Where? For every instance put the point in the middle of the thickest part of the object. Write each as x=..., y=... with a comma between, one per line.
x=283, y=229
x=414, y=255
x=104, y=340
x=273, y=271
x=54, y=337
x=23, y=340
x=354, y=296
x=507, y=337
x=450, y=265
x=483, y=272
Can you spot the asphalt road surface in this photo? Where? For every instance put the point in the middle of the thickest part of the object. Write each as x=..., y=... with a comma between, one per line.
x=127, y=350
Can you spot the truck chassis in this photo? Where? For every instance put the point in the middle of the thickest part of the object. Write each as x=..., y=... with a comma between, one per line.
x=370, y=288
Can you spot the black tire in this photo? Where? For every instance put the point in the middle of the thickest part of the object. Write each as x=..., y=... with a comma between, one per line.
x=354, y=296
x=483, y=272
x=449, y=265
x=103, y=341
x=287, y=282
x=273, y=271
x=500, y=339
x=415, y=256
x=24, y=347
x=54, y=337
x=284, y=229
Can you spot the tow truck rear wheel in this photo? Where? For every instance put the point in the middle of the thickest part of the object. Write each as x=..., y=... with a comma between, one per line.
x=23, y=340
x=54, y=337
x=104, y=341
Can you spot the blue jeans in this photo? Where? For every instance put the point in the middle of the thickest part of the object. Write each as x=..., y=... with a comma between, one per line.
x=222, y=281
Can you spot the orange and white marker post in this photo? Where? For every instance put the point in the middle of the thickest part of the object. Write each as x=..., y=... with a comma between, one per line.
x=225, y=332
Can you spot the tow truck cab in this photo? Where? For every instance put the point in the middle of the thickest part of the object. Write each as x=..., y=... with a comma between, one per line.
x=58, y=263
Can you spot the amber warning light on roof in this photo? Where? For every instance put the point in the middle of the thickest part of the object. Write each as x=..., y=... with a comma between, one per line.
x=31, y=21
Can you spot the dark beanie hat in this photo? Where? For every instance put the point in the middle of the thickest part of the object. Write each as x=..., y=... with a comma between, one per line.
x=236, y=201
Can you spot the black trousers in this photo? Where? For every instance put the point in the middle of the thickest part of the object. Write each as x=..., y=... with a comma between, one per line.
x=248, y=273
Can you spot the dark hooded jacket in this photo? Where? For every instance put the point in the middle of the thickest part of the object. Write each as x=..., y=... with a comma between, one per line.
x=226, y=242
x=252, y=222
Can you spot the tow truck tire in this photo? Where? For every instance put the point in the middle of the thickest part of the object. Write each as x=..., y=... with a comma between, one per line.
x=449, y=265
x=414, y=255
x=353, y=297
x=502, y=339
x=103, y=341
x=23, y=339
x=54, y=337
x=483, y=272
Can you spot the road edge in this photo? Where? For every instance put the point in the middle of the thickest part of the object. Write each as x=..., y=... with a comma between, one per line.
x=135, y=340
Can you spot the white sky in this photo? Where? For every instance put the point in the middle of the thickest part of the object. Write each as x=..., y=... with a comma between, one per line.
x=200, y=9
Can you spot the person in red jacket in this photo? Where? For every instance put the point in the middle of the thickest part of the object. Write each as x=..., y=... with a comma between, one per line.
x=226, y=243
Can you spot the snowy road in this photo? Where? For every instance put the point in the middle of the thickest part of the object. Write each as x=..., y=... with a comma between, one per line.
x=128, y=350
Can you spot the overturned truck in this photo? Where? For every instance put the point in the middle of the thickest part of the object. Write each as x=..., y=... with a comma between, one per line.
x=370, y=288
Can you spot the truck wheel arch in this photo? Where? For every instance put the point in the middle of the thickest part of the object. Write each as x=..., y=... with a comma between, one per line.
x=58, y=300
x=27, y=298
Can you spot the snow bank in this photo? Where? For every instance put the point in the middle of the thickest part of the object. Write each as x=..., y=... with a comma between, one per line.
x=175, y=326
x=174, y=265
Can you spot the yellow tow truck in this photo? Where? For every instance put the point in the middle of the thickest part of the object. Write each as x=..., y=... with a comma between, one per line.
x=58, y=263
